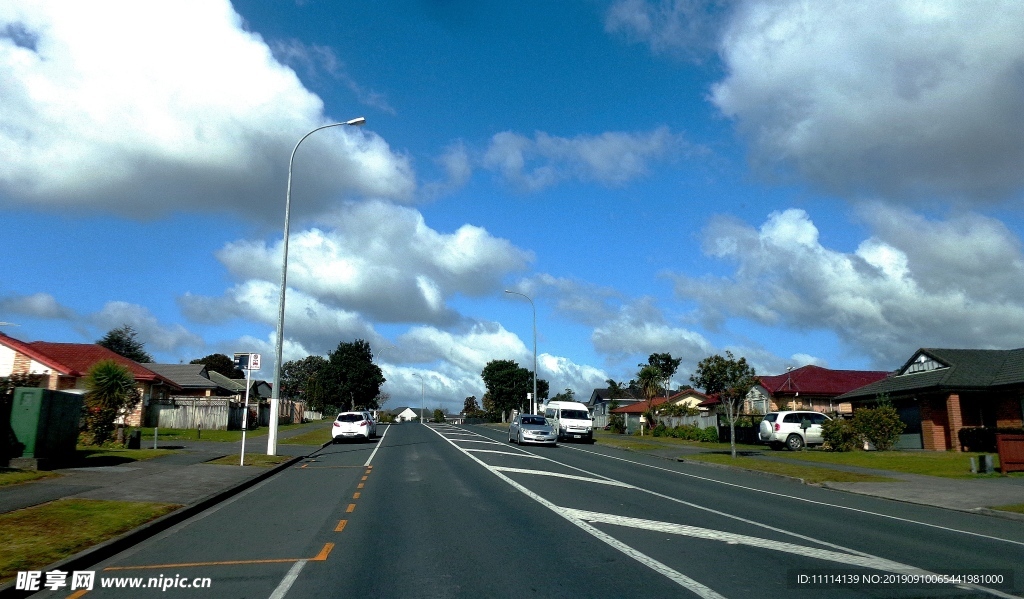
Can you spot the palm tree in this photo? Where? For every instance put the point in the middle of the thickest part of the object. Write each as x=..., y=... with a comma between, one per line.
x=110, y=392
x=649, y=378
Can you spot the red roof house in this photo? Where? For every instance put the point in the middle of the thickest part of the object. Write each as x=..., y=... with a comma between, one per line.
x=810, y=388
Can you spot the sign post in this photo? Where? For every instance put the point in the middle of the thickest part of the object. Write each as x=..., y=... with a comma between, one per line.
x=248, y=363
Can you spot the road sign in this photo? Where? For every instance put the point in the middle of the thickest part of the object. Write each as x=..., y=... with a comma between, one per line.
x=247, y=361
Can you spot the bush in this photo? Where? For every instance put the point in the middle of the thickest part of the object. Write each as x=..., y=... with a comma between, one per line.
x=839, y=435
x=660, y=430
x=881, y=426
x=709, y=434
x=981, y=439
x=617, y=423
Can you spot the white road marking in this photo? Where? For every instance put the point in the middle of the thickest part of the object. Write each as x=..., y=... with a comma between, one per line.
x=379, y=442
x=517, y=455
x=677, y=577
x=805, y=500
x=288, y=580
x=475, y=441
x=588, y=479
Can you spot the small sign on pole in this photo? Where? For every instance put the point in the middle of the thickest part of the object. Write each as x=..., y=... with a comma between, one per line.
x=248, y=363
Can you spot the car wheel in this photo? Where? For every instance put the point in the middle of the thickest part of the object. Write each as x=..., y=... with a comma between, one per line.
x=794, y=442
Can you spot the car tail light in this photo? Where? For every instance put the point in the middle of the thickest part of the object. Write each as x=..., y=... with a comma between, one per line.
x=364, y=423
x=777, y=427
x=336, y=423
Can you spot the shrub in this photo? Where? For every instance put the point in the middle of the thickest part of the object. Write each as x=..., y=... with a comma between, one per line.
x=839, y=435
x=881, y=426
x=660, y=430
x=617, y=423
x=111, y=393
x=709, y=434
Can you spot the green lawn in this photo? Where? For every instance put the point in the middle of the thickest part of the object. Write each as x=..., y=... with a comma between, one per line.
x=315, y=436
x=949, y=464
x=1016, y=508
x=252, y=459
x=13, y=476
x=809, y=474
x=35, y=537
x=191, y=434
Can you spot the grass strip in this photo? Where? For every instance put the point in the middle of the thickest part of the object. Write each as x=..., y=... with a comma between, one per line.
x=251, y=459
x=13, y=476
x=947, y=464
x=809, y=474
x=32, y=538
x=317, y=436
x=1017, y=508
x=192, y=434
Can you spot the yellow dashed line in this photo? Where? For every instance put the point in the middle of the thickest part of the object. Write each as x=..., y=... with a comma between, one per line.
x=364, y=478
x=78, y=594
x=322, y=556
x=341, y=526
x=360, y=486
x=351, y=508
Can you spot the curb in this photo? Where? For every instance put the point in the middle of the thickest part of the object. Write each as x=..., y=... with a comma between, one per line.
x=97, y=553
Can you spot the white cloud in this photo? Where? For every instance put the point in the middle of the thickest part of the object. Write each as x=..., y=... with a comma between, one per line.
x=155, y=336
x=640, y=329
x=686, y=28
x=315, y=59
x=612, y=158
x=107, y=106
x=901, y=98
x=457, y=165
x=384, y=262
x=914, y=283
x=36, y=305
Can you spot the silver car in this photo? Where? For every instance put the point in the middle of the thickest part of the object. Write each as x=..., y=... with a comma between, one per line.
x=531, y=428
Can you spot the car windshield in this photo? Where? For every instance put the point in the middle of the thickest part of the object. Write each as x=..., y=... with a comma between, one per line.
x=576, y=414
x=350, y=417
x=534, y=420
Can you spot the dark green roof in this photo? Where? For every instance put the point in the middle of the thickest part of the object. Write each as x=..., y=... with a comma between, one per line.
x=964, y=369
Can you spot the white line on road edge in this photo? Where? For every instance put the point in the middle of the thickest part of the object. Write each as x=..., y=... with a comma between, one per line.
x=288, y=580
x=677, y=577
x=515, y=455
x=476, y=441
x=588, y=479
x=370, y=459
x=814, y=501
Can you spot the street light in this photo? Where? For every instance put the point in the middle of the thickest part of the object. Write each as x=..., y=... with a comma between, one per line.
x=533, y=409
x=275, y=396
x=421, y=395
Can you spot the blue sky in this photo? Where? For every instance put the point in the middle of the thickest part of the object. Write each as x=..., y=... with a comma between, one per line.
x=827, y=183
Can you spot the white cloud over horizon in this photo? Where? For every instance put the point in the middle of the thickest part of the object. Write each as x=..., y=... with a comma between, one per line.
x=167, y=126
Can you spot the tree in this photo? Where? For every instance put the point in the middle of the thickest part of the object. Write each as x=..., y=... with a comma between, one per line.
x=304, y=380
x=728, y=378
x=122, y=341
x=110, y=393
x=351, y=378
x=469, y=407
x=507, y=385
x=438, y=415
x=665, y=364
x=220, y=364
x=616, y=390
x=649, y=380
x=567, y=395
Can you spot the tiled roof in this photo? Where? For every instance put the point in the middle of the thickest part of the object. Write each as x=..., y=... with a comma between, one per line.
x=963, y=369
x=641, y=406
x=187, y=376
x=815, y=380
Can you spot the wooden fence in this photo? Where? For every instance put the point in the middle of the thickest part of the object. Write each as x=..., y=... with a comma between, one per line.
x=218, y=413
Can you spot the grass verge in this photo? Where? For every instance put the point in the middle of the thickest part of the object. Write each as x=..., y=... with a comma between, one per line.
x=252, y=459
x=809, y=474
x=191, y=434
x=316, y=436
x=1017, y=508
x=948, y=464
x=34, y=537
x=13, y=476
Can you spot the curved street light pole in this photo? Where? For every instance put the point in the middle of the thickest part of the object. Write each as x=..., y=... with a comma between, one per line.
x=275, y=396
x=533, y=409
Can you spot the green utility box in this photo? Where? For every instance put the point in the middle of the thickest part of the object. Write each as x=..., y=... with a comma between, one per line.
x=45, y=424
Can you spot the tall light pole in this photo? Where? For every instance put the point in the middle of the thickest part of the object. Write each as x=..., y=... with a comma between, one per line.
x=535, y=399
x=275, y=396
x=421, y=395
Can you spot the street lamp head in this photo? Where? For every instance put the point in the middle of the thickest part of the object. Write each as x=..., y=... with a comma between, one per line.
x=357, y=122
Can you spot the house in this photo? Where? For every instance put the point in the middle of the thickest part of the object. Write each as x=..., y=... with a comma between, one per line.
x=65, y=367
x=258, y=388
x=194, y=379
x=601, y=400
x=808, y=388
x=937, y=392
x=688, y=397
x=405, y=414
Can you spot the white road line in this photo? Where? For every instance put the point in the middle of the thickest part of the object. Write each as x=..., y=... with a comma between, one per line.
x=474, y=441
x=588, y=479
x=516, y=455
x=805, y=500
x=677, y=577
x=288, y=580
x=379, y=442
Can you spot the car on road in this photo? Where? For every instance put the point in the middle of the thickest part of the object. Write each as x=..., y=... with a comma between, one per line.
x=531, y=428
x=792, y=430
x=571, y=420
x=353, y=425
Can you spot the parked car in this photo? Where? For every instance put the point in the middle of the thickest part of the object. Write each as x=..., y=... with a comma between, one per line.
x=793, y=429
x=531, y=428
x=353, y=425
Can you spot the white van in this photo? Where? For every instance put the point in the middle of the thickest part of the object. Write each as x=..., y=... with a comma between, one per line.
x=571, y=419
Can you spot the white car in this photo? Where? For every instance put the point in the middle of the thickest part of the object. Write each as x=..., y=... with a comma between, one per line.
x=353, y=425
x=792, y=429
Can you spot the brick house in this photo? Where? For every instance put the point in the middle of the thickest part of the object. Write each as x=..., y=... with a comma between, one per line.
x=940, y=391
x=65, y=367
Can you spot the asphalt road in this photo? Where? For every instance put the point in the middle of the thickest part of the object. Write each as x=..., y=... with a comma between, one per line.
x=441, y=511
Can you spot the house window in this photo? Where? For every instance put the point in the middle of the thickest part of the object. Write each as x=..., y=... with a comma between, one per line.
x=922, y=364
